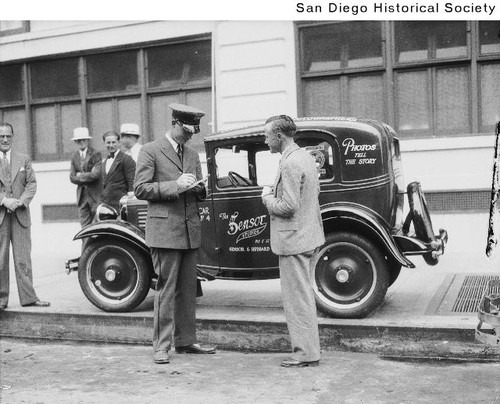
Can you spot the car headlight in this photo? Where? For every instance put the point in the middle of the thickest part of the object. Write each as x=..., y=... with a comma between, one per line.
x=105, y=212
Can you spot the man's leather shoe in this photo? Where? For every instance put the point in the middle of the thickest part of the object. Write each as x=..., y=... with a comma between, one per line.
x=294, y=363
x=38, y=303
x=195, y=349
x=161, y=357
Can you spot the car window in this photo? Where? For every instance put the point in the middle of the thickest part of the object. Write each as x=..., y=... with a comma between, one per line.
x=322, y=152
x=231, y=163
x=267, y=166
x=245, y=164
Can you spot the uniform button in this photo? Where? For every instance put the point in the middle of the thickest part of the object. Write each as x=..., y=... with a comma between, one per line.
x=187, y=219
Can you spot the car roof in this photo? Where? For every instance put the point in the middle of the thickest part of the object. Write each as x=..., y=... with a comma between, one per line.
x=321, y=123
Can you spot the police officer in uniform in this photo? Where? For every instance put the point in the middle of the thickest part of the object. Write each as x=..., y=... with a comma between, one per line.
x=167, y=174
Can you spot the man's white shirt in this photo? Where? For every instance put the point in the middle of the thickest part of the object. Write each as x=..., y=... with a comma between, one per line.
x=134, y=151
x=109, y=162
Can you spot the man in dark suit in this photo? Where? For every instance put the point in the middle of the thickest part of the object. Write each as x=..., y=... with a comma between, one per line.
x=17, y=188
x=118, y=172
x=296, y=231
x=167, y=175
x=85, y=172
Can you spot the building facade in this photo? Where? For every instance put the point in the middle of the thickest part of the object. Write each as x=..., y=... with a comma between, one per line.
x=437, y=83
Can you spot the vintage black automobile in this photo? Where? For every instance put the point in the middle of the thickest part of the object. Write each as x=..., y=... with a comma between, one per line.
x=362, y=200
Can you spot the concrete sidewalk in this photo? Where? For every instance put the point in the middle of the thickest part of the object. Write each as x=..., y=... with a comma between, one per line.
x=415, y=318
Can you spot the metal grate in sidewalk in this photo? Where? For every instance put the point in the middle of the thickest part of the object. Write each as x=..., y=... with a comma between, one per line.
x=472, y=291
x=461, y=294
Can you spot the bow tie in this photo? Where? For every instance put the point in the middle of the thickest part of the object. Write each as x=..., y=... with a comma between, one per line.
x=111, y=155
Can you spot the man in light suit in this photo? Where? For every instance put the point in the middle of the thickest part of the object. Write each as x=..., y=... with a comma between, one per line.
x=85, y=172
x=129, y=133
x=167, y=173
x=17, y=188
x=117, y=172
x=296, y=231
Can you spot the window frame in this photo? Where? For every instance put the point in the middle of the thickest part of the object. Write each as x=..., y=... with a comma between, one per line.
x=83, y=97
x=25, y=27
x=472, y=62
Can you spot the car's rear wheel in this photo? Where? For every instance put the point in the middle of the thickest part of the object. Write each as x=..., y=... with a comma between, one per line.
x=114, y=275
x=350, y=276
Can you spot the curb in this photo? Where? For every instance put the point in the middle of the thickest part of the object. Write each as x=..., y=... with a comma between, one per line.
x=255, y=336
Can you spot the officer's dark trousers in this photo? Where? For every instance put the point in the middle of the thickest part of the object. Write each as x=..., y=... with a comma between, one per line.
x=175, y=301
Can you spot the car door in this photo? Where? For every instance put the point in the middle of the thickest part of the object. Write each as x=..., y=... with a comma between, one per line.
x=239, y=168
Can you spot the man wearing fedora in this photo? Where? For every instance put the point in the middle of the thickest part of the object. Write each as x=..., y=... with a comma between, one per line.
x=85, y=173
x=167, y=174
x=130, y=139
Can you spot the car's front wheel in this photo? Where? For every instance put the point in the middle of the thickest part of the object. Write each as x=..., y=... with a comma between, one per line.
x=350, y=276
x=114, y=275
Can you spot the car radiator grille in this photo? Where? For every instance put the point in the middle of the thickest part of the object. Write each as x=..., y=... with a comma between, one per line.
x=141, y=217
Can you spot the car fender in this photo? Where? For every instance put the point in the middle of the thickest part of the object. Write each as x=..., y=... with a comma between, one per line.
x=352, y=216
x=115, y=228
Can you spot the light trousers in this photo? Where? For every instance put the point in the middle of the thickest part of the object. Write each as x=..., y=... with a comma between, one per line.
x=12, y=232
x=299, y=305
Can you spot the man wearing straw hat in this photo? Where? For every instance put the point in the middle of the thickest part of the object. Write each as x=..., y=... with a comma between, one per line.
x=129, y=133
x=85, y=172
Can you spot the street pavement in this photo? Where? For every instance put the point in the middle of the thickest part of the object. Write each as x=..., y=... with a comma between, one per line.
x=414, y=302
x=68, y=373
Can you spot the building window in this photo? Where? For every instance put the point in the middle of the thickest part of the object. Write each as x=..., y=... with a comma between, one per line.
x=53, y=126
x=322, y=97
x=179, y=73
x=56, y=111
x=448, y=114
x=11, y=84
x=332, y=56
x=412, y=101
x=356, y=44
x=489, y=75
x=424, y=81
x=103, y=91
x=428, y=40
x=111, y=72
x=180, y=64
x=489, y=37
x=13, y=27
x=55, y=78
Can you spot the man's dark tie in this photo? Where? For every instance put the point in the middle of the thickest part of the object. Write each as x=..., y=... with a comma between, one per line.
x=111, y=155
x=179, y=151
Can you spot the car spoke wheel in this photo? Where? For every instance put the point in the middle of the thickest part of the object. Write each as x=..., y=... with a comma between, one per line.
x=350, y=276
x=114, y=275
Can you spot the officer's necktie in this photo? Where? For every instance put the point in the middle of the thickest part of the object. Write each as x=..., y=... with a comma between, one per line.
x=179, y=152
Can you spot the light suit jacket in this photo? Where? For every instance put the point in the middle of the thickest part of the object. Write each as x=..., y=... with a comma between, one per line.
x=23, y=187
x=173, y=219
x=296, y=225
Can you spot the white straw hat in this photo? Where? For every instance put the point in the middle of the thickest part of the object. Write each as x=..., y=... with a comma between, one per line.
x=81, y=134
x=130, y=129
